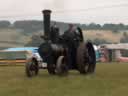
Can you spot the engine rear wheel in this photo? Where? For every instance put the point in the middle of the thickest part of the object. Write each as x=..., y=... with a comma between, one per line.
x=82, y=58
x=92, y=57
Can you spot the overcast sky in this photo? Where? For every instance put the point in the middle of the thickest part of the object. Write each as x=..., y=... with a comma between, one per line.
x=80, y=11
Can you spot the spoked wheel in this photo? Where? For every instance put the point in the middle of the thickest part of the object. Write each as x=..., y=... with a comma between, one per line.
x=51, y=66
x=92, y=57
x=82, y=58
x=32, y=68
x=61, y=66
x=51, y=69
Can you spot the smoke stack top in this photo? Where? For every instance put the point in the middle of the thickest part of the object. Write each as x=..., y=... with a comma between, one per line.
x=46, y=11
x=47, y=19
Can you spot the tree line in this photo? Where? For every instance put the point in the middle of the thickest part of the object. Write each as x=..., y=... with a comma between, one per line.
x=35, y=25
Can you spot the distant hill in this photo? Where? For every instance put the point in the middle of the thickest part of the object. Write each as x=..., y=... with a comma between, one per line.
x=19, y=33
x=17, y=38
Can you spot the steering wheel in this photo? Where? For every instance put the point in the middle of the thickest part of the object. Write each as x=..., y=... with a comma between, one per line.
x=79, y=34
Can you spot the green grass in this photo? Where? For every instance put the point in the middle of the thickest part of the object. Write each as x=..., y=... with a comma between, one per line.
x=108, y=80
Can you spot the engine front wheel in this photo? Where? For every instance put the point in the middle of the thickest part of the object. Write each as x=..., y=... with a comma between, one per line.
x=51, y=69
x=51, y=65
x=61, y=66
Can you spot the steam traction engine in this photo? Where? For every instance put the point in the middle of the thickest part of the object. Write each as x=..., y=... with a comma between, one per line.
x=62, y=52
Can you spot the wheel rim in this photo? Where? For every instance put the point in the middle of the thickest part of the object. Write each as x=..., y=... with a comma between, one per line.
x=61, y=66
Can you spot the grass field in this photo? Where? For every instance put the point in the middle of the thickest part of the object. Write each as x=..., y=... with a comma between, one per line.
x=103, y=34
x=12, y=38
x=108, y=80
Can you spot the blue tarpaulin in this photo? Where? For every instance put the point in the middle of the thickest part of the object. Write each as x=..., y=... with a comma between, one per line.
x=33, y=49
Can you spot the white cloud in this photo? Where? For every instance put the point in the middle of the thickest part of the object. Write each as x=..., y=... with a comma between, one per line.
x=25, y=8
